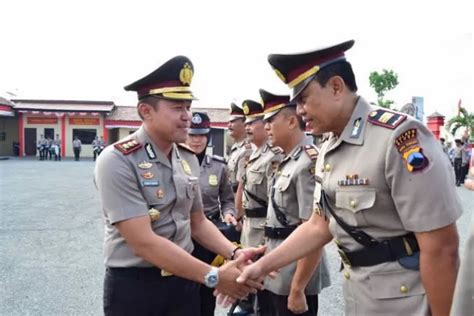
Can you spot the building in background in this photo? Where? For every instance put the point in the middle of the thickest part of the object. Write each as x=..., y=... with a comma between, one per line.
x=8, y=129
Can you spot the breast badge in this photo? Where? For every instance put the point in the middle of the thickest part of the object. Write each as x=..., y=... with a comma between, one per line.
x=154, y=214
x=186, y=167
x=147, y=175
x=212, y=179
x=160, y=193
x=145, y=165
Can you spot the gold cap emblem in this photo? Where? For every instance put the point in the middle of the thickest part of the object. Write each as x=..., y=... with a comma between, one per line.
x=186, y=74
x=246, y=109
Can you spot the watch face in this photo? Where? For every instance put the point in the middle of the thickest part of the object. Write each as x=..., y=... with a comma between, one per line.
x=212, y=279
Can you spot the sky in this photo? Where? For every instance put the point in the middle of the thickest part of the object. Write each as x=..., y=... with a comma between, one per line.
x=89, y=50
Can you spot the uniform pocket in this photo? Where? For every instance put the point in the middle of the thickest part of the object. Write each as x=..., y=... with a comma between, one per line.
x=191, y=187
x=255, y=177
x=395, y=284
x=355, y=200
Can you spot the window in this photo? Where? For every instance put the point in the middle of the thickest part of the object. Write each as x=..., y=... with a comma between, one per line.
x=85, y=135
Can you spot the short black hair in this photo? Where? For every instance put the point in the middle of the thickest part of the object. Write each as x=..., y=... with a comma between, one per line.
x=151, y=100
x=342, y=69
x=291, y=110
x=442, y=139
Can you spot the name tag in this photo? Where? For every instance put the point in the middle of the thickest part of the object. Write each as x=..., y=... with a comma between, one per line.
x=151, y=183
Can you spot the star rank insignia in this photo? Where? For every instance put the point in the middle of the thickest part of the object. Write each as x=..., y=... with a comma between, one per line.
x=128, y=146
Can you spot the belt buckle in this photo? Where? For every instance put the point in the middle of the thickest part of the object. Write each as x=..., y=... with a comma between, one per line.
x=165, y=273
x=344, y=257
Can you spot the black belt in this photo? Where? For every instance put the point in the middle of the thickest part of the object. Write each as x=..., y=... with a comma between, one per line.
x=385, y=251
x=257, y=212
x=279, y=232
x=216, y=216
x=137, y=273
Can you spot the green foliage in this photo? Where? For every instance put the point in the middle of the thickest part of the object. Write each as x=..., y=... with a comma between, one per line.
x=463, y=119
x=382, y=83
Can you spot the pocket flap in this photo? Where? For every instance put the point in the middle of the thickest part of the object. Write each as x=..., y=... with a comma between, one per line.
x=255, y=177
x=395, y=284
x=355, y=199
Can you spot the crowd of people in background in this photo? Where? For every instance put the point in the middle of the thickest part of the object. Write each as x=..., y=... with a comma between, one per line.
x=51, y=148
x=459, y=155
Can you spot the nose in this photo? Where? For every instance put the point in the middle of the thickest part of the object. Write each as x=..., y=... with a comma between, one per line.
x=267, y=126
x=300, y=109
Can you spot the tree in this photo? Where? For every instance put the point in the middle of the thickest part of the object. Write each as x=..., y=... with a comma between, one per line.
x=382, y=83
x=463, y=119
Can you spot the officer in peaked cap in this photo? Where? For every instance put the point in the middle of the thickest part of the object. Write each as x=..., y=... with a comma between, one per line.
x=217, y=197
x=151, y=201
x=372, y=176
x=242, y=148
x=252, y=194
x=295, y=288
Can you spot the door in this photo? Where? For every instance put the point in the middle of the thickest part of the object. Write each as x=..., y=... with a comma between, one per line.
x=49, y=133
x=217, y=137
x=30, y=141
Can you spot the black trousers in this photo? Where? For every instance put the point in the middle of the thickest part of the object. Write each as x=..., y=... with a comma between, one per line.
x=77, y=152
x=143, y=291
x=271, y=304
x=458, y=170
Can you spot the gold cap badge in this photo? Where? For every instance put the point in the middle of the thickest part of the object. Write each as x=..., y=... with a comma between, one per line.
x=186, y=74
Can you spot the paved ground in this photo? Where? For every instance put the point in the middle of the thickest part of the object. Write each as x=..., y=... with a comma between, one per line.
x=51, y=240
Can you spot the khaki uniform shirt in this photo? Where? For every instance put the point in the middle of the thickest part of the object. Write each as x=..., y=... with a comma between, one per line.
x=258, y=173
x=393, y=200
x=239, y=155
x=217, y=195
x=132, y=184
x=293, y=193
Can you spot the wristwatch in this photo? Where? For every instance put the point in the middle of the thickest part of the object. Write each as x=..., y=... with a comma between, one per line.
x=212, y=278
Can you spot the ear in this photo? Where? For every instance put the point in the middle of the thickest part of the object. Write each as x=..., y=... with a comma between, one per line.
x=292, y=122
x=337, y=84
x=144, y=109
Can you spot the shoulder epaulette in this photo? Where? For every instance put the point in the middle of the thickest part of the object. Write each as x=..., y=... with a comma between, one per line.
x=386, y=118
x=311, y=151
x=276, y=150
x=184, y=146
x=218, y=158
x=128, y=146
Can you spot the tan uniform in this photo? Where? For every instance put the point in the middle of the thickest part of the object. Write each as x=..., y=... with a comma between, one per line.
x=134, y=178
x=293, y=193
x=217, y=195
x=374, y=182
x=258, y=173
x=239, y=154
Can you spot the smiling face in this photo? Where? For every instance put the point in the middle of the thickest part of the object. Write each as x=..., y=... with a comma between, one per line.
x=168, y=119
x=197, y=143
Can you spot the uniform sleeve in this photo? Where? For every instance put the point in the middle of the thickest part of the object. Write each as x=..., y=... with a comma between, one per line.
x=118, y=188
x=421, y=179
x=226, y=196
x=305, y=183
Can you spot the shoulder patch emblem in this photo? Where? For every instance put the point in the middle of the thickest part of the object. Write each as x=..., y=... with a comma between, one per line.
x=218, y=158
x=311, y=151
x=128, y=146
x=386, y=118
x=407, y=145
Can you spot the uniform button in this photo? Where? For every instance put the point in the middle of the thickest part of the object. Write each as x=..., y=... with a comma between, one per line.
x=403, y=289
x=347, y=275
x=327, y=167
x=353, y=203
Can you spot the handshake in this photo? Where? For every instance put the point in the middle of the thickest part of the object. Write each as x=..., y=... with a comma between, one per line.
x=240, y=277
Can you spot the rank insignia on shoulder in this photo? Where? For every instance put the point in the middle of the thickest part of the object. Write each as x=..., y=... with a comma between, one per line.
x=411, y=152
x=353, y=179
x=218, y=158
x=311, y=151
x=276, y=150
x=128, y=146
x=386, y=118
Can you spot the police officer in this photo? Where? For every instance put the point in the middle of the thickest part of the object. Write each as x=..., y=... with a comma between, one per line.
x=217, y=197
x=294, y=290
x=241, y=149
x=41, y=147
x=77, y=147
x=95, y=147
x=57, y=148
x=152, y=205
x=386, y=186
x=254, y=184
x=460, y=161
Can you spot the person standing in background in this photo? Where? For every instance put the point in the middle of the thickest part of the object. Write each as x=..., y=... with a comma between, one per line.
x=76, y=146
